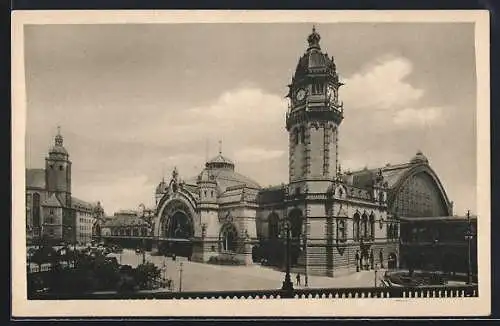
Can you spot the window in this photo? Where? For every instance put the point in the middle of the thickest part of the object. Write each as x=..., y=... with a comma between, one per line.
x=61, y=167
x=364, y=226
x=372, y=226
x=317, y=88
x=296, y=136
x=205, y=193
x=355, y=222
x=212, y=193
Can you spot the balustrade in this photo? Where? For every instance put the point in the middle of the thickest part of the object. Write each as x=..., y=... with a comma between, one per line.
x=320, y=293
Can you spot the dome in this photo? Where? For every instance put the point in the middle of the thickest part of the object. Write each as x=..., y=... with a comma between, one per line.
x=220, y=162
x=161, y=187
x=419, y=158
x=220, y=169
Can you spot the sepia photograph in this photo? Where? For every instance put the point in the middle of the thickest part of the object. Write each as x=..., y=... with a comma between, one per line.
x=333, y=162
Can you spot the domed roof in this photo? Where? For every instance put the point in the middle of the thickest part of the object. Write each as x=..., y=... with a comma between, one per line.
x=220, y=162
x=220, y=169
x=419, y=158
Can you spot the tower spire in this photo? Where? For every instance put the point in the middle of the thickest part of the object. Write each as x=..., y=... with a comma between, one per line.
x=313, y=39
x=59, y=138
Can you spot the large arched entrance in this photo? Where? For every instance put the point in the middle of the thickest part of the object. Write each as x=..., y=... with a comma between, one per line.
x=176, y=230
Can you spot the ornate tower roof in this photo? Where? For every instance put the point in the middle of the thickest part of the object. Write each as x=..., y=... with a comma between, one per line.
x=58, y=148
x=314, y=60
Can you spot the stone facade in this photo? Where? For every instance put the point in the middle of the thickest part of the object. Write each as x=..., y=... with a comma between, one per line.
x=52, y=213
x=339, y=221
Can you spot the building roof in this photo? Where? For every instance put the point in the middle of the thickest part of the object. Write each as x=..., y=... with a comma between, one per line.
x=78, y=203
x=35, y=178
x=120, y=219
x=52, y=201
x=392, y=174
x=219, y=161
x=452, y=218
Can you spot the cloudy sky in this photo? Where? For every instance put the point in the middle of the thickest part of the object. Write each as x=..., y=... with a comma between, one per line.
x=134, y=101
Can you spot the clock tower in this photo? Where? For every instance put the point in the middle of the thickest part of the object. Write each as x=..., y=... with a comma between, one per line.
x=313, y=117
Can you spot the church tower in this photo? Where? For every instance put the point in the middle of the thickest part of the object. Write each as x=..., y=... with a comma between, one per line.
x=314, y=116
x=58, y=171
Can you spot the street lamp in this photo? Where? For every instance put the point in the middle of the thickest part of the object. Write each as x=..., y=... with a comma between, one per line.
x=469, y=235
x=287, y=283
x=180, y=278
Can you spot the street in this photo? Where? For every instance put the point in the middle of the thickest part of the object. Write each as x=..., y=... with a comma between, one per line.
x=207, y=277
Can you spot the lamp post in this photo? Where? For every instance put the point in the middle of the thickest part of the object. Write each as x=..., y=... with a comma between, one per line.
x=180, y=278
x=376, y=270
x=469, y=236
x=287, y=283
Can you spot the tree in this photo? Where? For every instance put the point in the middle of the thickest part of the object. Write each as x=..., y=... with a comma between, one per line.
x=146, y=273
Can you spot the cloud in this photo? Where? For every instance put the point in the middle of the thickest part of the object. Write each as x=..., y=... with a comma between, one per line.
x=381, y=85
x=418, y=117
x=257, y=154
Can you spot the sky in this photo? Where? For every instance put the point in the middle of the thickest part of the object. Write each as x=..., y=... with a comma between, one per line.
x=133, y=101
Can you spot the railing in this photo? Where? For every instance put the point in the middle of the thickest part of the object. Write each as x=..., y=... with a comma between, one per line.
x=320, y=293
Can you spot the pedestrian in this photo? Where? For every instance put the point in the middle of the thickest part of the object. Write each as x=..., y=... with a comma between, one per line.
x=298, y=279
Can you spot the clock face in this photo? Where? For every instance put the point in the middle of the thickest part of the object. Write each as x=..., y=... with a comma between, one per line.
x=301, y=93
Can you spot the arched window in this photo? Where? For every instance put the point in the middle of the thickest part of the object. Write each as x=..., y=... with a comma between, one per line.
x=389, y=231
x=36, y=209
x=273, y=226
x=296, y=136
x=372, y=226
x=364, y=226
x=355, y=222
x=229, y=237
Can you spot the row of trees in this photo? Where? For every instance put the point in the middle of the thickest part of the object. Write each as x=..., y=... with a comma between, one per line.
x=92, y=272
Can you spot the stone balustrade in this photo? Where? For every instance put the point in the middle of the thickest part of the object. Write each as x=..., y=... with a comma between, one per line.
x=320, y=293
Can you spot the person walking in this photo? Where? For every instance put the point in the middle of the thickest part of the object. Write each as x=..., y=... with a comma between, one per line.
x=298, y=279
